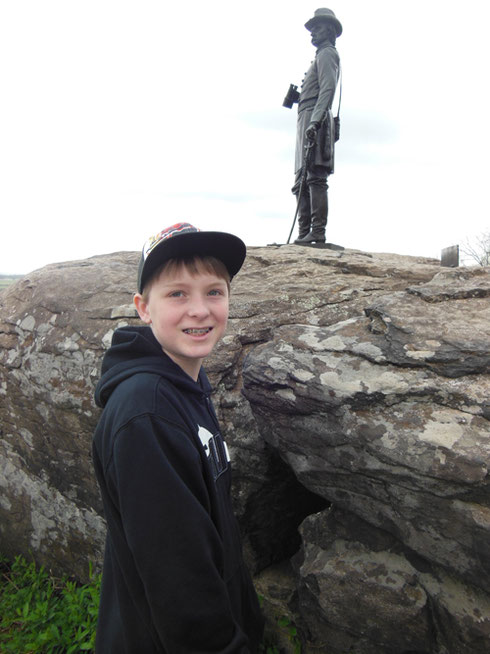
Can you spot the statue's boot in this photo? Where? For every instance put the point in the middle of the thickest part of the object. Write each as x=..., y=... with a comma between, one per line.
x=319, y=214
x=304, y=218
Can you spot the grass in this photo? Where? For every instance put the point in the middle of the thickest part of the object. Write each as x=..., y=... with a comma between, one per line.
x=6, y=280
x=289, y=629
x=41, y=614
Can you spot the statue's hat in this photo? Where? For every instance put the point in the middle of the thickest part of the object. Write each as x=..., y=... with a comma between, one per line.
x=325, y=14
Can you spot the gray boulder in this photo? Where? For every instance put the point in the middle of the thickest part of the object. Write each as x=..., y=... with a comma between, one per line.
x=352, y=389
x=385, y=415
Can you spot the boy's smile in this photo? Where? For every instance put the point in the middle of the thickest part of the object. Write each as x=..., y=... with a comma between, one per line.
x=187, y=313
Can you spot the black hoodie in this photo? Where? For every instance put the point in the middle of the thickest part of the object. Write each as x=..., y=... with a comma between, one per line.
x=174, y=580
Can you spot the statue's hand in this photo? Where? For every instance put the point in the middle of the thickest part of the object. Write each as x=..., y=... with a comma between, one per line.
x=311, y=131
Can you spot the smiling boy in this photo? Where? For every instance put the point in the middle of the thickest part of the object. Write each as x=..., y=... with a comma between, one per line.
x=174, y=580
x=188, y=311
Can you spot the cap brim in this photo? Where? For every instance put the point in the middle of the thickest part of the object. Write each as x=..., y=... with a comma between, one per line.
x=226, y=247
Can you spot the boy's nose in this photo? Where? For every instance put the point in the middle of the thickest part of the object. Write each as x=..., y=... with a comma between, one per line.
x=198, y=307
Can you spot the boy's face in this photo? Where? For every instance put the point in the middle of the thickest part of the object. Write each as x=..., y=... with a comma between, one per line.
x=187, y=314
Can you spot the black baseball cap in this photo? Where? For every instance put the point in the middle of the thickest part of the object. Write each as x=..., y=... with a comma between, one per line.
x=182, y=241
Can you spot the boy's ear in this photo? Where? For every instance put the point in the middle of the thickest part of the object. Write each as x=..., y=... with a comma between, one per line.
x=142, y=308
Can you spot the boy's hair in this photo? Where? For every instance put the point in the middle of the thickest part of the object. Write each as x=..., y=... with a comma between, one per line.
x=194, y=265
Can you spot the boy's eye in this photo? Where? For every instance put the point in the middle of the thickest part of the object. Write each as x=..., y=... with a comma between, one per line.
x=216, y=291
x=176, y=294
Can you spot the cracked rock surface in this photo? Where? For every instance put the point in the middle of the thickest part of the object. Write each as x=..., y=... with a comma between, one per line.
x=353, y=391
x=384, y=412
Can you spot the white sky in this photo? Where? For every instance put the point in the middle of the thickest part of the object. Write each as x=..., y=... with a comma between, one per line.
x=120, y=118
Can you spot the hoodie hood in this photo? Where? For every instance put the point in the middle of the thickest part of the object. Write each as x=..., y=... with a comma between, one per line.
x=135, y=350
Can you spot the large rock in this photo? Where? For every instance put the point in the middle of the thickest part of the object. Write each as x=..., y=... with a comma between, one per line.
x=385, y=415
x=352, y=389
x=363, y=591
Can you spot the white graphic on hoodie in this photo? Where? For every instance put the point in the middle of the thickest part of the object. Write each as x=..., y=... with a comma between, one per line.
x=216, y=450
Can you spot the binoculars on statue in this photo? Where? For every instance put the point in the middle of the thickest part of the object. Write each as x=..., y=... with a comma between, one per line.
x=292, y=96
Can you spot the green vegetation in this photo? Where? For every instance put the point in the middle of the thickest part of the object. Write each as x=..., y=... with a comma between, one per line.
x=284, y=626
x=292, y=633
x=6, y=280
x=40, y=614
x=288, y=628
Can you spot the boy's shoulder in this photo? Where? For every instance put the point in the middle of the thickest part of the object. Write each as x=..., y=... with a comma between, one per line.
x=150, y=393
x=142, y=392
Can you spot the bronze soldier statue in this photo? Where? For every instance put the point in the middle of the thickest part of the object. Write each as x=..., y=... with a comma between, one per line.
x=316, y=128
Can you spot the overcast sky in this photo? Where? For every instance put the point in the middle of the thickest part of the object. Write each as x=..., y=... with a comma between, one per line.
x=120, y=118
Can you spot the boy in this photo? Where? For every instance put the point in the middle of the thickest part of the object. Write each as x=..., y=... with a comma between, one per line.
x=174, y=580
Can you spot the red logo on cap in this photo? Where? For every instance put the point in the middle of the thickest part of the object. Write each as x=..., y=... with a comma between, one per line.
x=167, y=233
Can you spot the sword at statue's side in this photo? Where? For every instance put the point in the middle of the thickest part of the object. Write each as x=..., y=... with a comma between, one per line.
x=304, y=170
